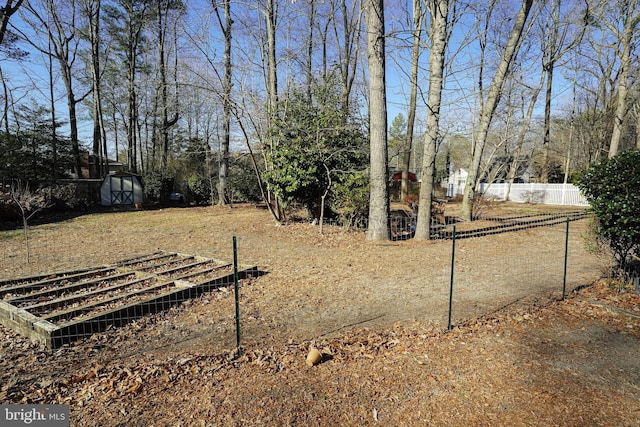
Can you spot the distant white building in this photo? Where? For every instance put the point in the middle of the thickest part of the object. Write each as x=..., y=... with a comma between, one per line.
x=456, y=182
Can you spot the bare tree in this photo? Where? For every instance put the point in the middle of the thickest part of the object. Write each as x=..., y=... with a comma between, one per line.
x=6, y=101
x=418, y=19
x=91, y=9
x=532, y=96
x=310, y=38
x=323, y=29
x=489, y=107
x=594, y=65
x=54, y=126
x=378, y=187
x=162, y=95
x=59, y=25
x=557, y=41
x=348, y=49
x=612, y=15
x=126, y=22
x=29, y=203
x=226, y=99
x=6, y=12
x=439, y=14
x=271, y=20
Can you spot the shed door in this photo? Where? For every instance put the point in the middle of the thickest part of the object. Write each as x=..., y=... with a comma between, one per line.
x=121, y=190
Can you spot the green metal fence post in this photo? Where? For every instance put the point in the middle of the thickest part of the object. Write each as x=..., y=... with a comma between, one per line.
x=566, y=257
x=235, y=287
x=453, y=261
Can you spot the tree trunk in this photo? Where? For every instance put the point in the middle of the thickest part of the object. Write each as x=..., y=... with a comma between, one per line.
x=54, y=131
x=323, y=38
x=378, y=181
x=132, y=110
x=567, y=163
x=489, y=108
x=166, y=123
x=621, y=104
x=6, y=97
x=637, y=111
x=135, y=16
x=439, y=11
x=272, y=71
x=544, y=172
x=162, y=88
x=323, y=197
x=276, y=215
x=552, y=52
x=418, y=16
x=5, y=14
x=92, y=12
x=272, y=86
x=309, y=62
x=73, y=119
x=226, y=103
x=548, y=67
x=515, y=162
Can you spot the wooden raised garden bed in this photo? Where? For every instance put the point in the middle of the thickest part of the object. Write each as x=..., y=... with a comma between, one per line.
x=62, y=307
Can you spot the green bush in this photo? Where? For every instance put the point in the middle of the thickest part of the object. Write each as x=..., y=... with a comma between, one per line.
x=200, y=190
x=350, y=199
x=318, y=148
x=612, y=188
x=157, y=186
x=242, y=181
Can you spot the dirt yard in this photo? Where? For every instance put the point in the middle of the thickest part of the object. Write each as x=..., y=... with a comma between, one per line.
x=378, y=312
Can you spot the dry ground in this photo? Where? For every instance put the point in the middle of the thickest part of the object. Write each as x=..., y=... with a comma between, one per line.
x=378, y=312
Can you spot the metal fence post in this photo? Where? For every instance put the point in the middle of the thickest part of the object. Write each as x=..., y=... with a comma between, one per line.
x=566, y=256
x=453, y=261
x=236, y=292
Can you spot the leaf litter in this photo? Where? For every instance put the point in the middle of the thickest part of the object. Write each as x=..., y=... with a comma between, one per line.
x=548, y=362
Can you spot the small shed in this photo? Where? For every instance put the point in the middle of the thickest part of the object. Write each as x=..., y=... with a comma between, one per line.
x=120, y=189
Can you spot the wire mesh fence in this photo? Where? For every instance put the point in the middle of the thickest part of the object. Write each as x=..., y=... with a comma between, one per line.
x=73, y=274
x=49, y=248
x=477, y=276
x=515, y=272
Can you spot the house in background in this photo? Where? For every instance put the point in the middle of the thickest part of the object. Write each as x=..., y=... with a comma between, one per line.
x=496, y=172
x=90, y=166
x=118, y=188
x=94, y=166
x=498, y=169
x=456, y=182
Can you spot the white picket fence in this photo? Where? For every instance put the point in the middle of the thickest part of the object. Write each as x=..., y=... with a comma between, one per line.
x=548, y=194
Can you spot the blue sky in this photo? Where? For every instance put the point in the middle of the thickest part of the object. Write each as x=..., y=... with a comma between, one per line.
x=29, y=80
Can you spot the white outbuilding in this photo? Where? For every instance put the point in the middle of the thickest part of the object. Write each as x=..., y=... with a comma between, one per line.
x=456, y=182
